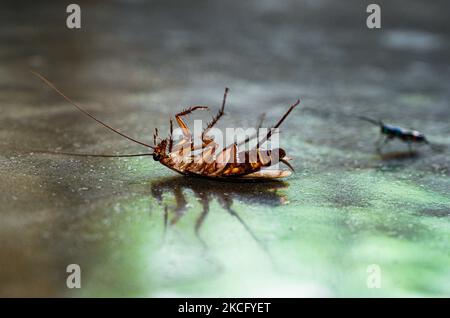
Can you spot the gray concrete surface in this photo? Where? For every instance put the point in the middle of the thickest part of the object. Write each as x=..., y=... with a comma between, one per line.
x=136, y=63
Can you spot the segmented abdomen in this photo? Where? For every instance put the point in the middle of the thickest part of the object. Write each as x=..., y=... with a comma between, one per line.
x=246, y=162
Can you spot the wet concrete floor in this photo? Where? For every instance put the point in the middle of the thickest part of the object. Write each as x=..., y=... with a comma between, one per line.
x=136, y=63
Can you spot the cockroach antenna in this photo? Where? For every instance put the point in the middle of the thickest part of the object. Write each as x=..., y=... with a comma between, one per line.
x=52, y=86
x=76, y=154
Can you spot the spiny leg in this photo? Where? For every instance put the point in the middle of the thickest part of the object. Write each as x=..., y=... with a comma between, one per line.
x=287, y=113
x=221, y=112
x=184, y=128
x=259, y=126
x=171, y=136
x=185, y=146
x=269, y=134
x=271, y=130
x=189, y=110
x=187, y=133
x=234, y=154
x=261, y=120
x=180, y=121
x=278, y=124
x=155, y=136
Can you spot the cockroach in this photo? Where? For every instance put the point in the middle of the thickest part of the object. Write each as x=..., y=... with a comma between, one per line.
x=391, y=132
x=227, y=163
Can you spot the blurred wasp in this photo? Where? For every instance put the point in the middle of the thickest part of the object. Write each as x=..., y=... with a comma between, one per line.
x=390, y=132
x=211, y=161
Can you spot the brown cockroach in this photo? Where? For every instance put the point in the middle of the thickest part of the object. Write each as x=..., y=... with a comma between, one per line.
x=209, y=162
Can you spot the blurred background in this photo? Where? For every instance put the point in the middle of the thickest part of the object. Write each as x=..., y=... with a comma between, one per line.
x=136, y=229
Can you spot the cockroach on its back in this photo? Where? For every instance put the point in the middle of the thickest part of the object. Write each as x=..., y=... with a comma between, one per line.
x=226, y=164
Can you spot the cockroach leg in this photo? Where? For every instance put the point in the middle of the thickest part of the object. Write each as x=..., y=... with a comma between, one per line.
x=259, y=125
x=189, y=110
x=171, y=136
x=271, y=130
x=261, y=120
x=278, y=124
x=234, y=153
x=181, y=122
x=221, y=112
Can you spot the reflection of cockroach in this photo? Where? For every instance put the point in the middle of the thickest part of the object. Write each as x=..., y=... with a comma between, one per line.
x=227, y=163
x=265, y=194
x=391, y=132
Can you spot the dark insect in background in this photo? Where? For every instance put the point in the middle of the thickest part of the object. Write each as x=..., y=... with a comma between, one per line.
x=390, y=132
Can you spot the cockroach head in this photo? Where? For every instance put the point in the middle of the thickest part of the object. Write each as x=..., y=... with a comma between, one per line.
x=156, y=156
x=280, y=152
x=159, y=151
